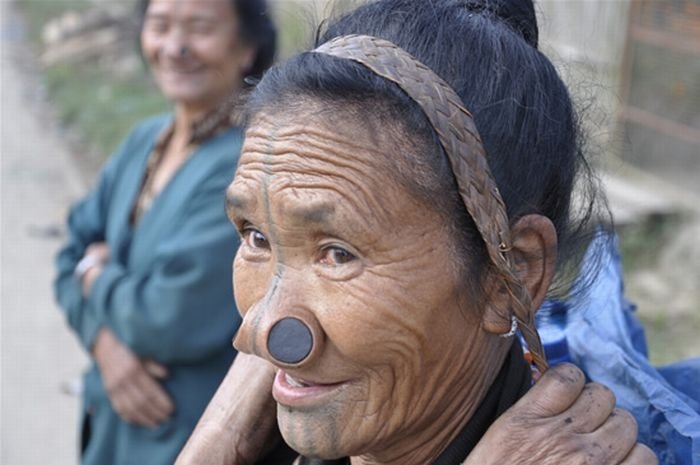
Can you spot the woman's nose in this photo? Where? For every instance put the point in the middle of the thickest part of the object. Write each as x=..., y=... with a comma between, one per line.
x=175, y=46
x=290, y=340
x=287, y=335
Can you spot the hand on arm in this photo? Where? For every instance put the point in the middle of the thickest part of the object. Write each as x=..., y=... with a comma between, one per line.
x=175, y=304
x=132, y=384
x=563, y=420
x=90, y=266
x=239, y=422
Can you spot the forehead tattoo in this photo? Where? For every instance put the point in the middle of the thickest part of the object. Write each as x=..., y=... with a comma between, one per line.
x=289, y=340
x=267, y=211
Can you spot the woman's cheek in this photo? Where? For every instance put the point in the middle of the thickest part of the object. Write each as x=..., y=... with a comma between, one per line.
x=365, y=318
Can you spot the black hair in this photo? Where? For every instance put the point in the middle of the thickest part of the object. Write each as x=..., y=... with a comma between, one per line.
x=487, y=51
x=256, y=28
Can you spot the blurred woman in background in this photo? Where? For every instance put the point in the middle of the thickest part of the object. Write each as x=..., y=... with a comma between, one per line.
x=144, y=278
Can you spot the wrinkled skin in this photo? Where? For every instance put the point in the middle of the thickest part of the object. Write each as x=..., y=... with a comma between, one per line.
x=547, y=426
x=328, y=240
x=561, y=420
x=403, y=352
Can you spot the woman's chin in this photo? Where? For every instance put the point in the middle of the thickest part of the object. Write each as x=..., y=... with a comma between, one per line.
x=185, y=93
x=327, y=433
x=314, y=432
x=181, y=96
x=311, y=441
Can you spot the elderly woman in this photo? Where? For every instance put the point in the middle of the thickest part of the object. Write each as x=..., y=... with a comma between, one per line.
x=404, y=202
x=142, y=276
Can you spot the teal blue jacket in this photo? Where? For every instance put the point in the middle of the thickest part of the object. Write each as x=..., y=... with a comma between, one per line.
x=166, y=292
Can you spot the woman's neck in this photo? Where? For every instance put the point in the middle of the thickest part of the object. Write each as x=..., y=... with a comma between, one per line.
x=185, y=118
x=187, y=114
x=426, y=445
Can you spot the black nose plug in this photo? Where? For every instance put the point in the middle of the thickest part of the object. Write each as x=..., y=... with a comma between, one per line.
x=290, y=341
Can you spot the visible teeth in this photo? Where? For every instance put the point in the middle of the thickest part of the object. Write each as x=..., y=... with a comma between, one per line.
x=293, y=382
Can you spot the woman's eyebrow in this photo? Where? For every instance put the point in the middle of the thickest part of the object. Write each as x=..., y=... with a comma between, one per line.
x=236, y=201
x=200, y=18
x=157, y=15
x=318, y=212
x=313, y=213
x=196, y=18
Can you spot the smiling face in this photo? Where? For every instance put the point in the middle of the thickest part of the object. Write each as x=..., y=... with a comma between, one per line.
x=329, y=239
x=194, y=50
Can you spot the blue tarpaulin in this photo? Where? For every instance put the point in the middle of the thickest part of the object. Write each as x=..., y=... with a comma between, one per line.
x=606, y=340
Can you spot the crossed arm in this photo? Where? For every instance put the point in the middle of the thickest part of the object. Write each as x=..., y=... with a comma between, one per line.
x=174, y=308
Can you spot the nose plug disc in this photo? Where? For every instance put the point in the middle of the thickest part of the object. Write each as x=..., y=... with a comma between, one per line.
x=290, y=341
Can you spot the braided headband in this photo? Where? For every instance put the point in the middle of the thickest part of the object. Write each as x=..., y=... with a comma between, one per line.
x=460, y=140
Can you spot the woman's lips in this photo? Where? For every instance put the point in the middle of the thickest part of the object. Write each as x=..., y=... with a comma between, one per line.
x=171, y=73
x=295, y=392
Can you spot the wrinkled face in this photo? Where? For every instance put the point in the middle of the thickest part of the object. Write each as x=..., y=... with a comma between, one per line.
x=330, y=240
x=193, y=49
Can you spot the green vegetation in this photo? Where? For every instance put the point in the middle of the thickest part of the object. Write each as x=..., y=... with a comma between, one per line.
x=89, y=99
x=642, y=243
x=670, y=337
x=295, y=30
x=298, y=21
x=39, y=12
x=665, y=305
x=102, y=108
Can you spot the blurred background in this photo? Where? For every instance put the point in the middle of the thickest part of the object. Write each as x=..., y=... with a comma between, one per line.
x=73, y=83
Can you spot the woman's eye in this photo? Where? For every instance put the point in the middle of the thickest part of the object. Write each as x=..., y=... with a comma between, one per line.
x=201, y=27
x=336, y=256
x=157, y=26
x=255, y=239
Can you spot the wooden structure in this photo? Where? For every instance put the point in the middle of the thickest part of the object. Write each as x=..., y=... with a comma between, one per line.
x=660, y=89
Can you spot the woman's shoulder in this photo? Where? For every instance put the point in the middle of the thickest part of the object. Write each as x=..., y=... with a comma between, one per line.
x=136, y=145
x=143, y=134
x=226, y=140
x=220, y=154
x=148, y=129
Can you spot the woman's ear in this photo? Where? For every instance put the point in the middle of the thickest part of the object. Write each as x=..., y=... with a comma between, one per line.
x=534, y=255
x=247, y=59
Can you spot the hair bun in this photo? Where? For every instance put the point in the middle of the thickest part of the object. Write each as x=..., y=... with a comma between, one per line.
x=518, y=14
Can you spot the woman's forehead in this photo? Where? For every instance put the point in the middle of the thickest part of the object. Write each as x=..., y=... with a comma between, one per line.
x=290, y=163
x=309, y=146
x=190, y=9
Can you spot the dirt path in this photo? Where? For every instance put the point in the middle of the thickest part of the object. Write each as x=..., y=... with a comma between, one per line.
x=38, y=423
